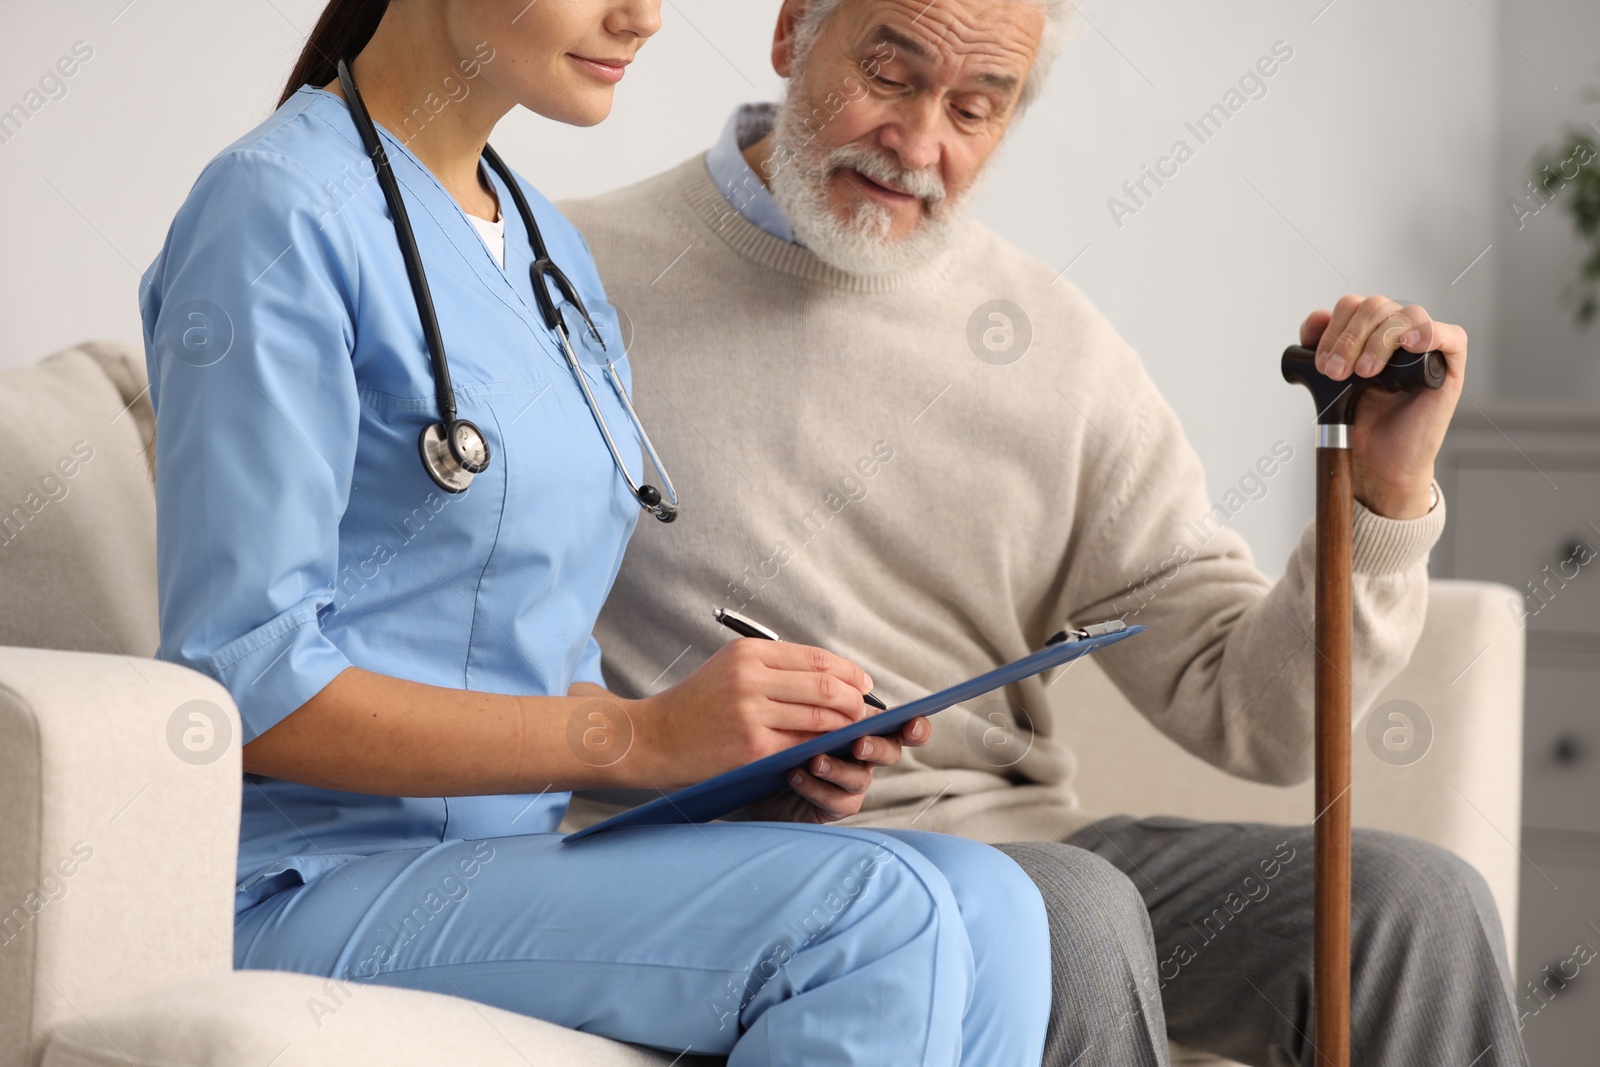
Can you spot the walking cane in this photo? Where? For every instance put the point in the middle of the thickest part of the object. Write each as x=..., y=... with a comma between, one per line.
x=1336, y=404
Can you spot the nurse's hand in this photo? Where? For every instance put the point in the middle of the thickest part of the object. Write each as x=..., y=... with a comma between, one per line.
x=749, y=700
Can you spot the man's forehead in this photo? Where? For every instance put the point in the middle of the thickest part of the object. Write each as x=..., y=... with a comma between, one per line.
x=969, y=36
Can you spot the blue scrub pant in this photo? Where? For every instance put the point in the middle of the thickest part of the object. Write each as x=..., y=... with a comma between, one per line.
x=769, y=943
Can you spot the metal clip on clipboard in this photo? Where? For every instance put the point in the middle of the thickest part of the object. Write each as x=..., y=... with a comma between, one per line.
x=1084, y=633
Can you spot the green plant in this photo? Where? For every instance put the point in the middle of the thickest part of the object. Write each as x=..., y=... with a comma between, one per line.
x=1572, y=173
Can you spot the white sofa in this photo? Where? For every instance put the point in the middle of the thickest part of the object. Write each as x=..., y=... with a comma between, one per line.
x=117, y=857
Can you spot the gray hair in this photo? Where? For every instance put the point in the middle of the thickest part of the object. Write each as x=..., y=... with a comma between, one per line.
x=1058, y=19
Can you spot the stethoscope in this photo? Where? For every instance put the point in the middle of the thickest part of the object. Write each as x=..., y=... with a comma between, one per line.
x=454, y=450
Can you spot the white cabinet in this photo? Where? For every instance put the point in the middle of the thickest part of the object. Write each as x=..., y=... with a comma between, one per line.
x=1558, y=975
x=1561, y=747
x=1537, y=530
x=1523, y=486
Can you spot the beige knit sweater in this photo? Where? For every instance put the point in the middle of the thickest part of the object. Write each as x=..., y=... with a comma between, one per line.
x=853, y=475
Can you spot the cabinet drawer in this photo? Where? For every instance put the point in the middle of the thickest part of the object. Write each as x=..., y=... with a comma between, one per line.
x=1561, y=750
x=1561, y=1012
x=1511, y=526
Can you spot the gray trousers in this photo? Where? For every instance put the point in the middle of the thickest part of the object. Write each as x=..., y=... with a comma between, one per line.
x=1202, y=931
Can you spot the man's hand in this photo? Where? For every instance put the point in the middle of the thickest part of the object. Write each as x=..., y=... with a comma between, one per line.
x=1396, y=435
x=827, y=788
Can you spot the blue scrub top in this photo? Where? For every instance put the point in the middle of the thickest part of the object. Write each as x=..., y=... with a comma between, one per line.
x=297, y=532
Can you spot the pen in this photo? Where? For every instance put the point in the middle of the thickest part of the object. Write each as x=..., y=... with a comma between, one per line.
x=750, y=628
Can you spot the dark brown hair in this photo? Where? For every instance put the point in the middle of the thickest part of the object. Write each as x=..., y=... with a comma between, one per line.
x=343, y=30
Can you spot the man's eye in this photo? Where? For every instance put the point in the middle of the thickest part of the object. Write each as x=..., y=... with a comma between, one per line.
x=886, y=83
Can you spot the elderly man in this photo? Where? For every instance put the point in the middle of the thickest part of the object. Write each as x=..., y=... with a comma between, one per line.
x=828, y=354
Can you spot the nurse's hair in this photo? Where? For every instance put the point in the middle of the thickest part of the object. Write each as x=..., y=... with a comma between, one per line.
x=343, y=30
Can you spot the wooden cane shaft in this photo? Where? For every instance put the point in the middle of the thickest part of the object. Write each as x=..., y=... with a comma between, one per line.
x=1335, y=516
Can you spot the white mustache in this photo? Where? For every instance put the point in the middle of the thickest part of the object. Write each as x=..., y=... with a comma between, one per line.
x=925, y=185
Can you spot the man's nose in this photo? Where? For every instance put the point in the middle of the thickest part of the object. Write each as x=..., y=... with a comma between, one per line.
x=912, y=134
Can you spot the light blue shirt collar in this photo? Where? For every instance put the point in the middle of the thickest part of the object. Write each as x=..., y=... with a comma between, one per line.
x=739, y=184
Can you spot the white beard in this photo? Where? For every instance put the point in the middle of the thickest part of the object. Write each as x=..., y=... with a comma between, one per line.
x=865, y=244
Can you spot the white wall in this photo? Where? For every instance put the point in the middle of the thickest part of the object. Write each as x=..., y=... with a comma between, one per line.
x=1546, y=353
x=1369, y=166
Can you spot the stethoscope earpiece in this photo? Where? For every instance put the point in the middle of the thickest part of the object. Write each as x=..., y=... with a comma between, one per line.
x=649, y=498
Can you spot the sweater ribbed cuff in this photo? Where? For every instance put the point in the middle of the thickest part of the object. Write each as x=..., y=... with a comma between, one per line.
x=1383, y=545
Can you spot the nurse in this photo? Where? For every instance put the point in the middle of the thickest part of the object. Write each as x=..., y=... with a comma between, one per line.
x=413, y=662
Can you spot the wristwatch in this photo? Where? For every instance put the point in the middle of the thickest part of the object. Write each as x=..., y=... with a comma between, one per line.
x=1433, y=495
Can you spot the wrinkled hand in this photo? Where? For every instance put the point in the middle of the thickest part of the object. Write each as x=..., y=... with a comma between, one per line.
x=1395, y=436
x=828, y=788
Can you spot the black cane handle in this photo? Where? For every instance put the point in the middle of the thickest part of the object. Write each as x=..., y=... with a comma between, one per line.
x=1405, y=372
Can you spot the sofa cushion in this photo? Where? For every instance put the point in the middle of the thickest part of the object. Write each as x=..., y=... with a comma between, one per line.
x=299, y=1020
x=77, y=503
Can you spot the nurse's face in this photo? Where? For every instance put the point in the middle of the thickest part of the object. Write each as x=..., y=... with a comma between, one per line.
x=560, y=58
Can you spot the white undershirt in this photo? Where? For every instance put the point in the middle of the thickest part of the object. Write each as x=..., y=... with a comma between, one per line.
x=493, y=234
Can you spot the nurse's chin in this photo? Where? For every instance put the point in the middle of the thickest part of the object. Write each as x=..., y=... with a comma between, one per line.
x=588, y=105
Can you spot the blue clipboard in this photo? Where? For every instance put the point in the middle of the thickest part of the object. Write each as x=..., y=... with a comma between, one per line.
x=732, y=790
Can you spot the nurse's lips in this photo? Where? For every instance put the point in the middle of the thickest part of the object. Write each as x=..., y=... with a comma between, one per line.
x=607, y=70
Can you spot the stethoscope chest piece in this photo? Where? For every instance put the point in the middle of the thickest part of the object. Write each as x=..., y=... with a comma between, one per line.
x=451, y=461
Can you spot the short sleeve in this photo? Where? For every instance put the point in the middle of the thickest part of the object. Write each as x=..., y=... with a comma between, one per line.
x=589, y=665
x=248, y=327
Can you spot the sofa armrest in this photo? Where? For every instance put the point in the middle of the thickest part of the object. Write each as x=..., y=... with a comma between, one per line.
x=283, y=1019
x=1465, y=792
x=1466, y=674
x=119, y=834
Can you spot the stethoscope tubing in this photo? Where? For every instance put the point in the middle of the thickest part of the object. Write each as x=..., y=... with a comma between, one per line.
x=594, y=409
x=443, y=389
x=644, y=437
x=543, y=273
